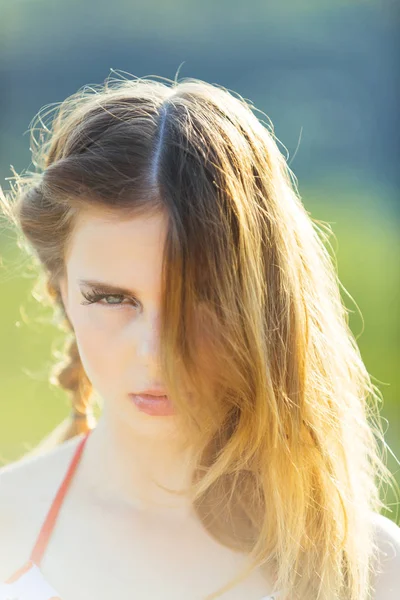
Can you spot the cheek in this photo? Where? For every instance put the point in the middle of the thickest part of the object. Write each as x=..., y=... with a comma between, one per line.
x=99, y=346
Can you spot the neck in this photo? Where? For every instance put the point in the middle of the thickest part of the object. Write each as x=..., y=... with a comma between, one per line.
x=122, y=468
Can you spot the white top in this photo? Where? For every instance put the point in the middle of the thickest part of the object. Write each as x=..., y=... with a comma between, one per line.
x=31, y=585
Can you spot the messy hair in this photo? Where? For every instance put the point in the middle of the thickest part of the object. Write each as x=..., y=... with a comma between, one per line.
x=285, y=431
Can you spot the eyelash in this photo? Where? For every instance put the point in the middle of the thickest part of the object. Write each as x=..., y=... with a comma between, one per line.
x=95, y=297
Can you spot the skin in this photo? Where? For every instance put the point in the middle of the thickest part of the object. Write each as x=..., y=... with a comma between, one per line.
x=122, y=511
x=117, y=533
x=118, y=345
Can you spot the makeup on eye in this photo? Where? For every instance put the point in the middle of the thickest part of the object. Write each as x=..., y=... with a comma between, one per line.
x=96, y=295
x=102, y=287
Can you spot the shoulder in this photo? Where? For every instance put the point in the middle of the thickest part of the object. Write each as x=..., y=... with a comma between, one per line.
x=34, y=473
x=27, y=488
x=387, y=575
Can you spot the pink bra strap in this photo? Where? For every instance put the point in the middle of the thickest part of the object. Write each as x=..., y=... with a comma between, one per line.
x=48, y=525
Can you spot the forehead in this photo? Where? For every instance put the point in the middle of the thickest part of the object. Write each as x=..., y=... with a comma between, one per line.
x=116, y=247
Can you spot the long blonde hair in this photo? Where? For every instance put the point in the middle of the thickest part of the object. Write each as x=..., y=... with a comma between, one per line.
x=287, y=442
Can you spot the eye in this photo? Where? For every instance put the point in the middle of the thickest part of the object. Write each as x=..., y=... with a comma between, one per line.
x=96, y=298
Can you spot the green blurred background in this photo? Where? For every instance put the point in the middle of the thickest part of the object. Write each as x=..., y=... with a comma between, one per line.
x=322, y=71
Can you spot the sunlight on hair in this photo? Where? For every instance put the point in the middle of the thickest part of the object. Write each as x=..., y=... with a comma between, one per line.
x=288, y=444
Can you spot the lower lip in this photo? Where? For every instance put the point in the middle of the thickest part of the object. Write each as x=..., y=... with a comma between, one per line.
x=156, y=406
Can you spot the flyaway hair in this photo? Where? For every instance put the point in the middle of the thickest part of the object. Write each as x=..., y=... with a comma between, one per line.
x=285, y=427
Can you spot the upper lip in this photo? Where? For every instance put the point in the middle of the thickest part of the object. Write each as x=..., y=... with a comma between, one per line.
x=152, y=392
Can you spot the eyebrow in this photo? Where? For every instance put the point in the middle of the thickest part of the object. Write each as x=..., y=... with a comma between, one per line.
x=107, y=288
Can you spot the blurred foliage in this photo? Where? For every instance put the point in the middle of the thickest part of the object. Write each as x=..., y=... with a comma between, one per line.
x=366, y=246
x=322, y=72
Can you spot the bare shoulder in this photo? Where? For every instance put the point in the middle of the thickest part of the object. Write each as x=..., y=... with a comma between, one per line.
x=387, y=577
x=27, y=488
x=34, y=475
x=35, y=465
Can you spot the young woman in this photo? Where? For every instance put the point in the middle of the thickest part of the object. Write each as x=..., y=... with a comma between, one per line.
x=236, y=454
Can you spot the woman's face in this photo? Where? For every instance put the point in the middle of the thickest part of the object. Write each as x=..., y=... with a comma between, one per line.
x=118, y=336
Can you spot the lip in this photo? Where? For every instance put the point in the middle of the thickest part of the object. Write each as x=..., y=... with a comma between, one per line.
x=157, y=406
x=152, y=392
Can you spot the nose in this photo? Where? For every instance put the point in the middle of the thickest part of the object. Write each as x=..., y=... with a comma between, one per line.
x=147, y=336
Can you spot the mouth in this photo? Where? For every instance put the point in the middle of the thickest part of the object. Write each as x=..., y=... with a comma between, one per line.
x=155, y=405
